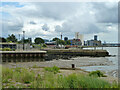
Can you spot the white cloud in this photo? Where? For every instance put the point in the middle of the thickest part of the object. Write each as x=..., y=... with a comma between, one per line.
x=47, y=20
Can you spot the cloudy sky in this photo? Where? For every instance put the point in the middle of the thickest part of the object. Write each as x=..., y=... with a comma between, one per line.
x=48, y=19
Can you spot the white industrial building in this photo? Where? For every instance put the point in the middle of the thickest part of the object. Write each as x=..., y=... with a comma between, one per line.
x=79, y=36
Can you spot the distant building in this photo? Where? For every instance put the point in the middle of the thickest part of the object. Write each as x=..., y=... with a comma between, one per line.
x=76, y=42
x=51, y=44
x=46, y=40
x=15, y=46
x=94, y=42
x=65, y=38
x=76, y=35
x=79, y=36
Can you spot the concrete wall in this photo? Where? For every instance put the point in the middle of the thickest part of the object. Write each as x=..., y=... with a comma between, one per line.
x=20, y=47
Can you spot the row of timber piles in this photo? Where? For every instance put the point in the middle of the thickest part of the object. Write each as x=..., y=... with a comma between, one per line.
x=22, y=55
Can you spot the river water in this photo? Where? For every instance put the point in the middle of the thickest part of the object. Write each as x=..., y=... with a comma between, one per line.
x=109, y=69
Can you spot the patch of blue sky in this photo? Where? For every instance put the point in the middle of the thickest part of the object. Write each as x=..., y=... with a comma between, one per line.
x=16, y=4
x=5, y=15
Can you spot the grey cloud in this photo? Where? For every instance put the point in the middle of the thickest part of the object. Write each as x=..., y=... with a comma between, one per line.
x=11, y=26
x=55, y=11
x=87, y=28
x=32, y=22
x=106, y=12
x=45, y=27
x=77, y=16
x=85, y=24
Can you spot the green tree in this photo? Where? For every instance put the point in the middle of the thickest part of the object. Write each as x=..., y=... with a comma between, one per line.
x=2, y=39
x=25, y=41
x=62, y=42
x=38, y=40
x=56, y=39
x=67, y=42
x=11, y=38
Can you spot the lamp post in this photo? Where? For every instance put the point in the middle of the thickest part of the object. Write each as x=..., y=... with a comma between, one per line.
x=23, y=39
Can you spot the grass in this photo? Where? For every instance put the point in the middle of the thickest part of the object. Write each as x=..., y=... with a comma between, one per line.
x=26, y=78
x=18, y=74
x=54, y=69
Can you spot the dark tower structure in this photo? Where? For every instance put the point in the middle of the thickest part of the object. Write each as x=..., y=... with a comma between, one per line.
x=65, y=38
x=23, y=39
x=95, y=37
x=61, y=36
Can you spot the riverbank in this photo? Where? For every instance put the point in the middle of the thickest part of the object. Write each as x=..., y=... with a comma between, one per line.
x=53, y=77
x=80, y=63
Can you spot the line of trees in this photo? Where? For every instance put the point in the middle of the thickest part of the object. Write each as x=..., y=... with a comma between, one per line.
x=12, y=38
x=59, y=41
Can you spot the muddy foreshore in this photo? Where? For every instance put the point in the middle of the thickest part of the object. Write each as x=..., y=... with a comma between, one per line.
x=65, y=63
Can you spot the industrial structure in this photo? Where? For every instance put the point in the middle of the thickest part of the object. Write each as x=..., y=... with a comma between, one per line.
x=65, y=38
x=79, y=37
x=94, y=42
x=76, y=42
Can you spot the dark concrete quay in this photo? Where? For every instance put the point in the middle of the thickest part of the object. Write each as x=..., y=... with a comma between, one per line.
x=78, y=52
x=69, y=53
x=50, y=54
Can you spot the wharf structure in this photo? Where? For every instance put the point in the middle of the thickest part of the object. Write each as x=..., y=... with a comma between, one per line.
x=16, y=55
x=50, y=54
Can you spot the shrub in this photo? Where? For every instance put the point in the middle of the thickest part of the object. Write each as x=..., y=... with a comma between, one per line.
x=85, y=81
x=44, y=45
x=54, y=69
x=6, y=49
x=0, y=49
x=13, y=49
x=97, y=73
